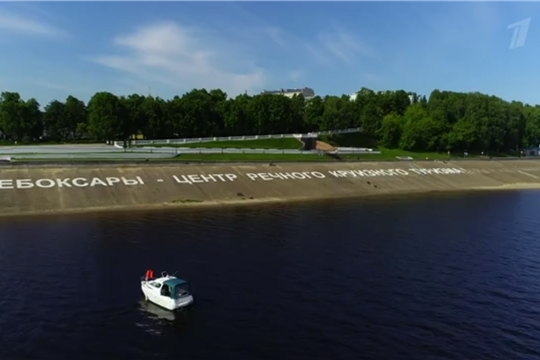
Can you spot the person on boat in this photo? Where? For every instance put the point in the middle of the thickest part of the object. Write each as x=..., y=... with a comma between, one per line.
x=165, y=291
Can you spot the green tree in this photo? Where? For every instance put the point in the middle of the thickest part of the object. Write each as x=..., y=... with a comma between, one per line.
x=106, y=116
x=33, y=120
x=19, y=120
x=134, y=115
x=420, y=131
x=76, y=117
x=313, y=114
x=391, y=130
x=444, y=120
x=157, y=124
x=54, y=121
x=236, y=120
x=462, y=136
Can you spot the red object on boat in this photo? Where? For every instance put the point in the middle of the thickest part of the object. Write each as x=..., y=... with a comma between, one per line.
x=149, y=274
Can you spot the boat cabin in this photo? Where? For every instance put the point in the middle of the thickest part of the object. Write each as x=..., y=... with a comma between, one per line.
x=172, y=287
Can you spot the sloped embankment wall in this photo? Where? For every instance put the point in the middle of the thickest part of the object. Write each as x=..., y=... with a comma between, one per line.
x=74, y=188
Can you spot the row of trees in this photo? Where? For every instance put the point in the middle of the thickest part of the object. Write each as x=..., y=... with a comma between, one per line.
x=395, y=119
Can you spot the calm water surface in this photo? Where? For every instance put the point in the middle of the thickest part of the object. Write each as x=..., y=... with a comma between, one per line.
x=453, y=277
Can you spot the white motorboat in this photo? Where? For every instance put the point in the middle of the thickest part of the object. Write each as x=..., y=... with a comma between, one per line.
x=167, y=291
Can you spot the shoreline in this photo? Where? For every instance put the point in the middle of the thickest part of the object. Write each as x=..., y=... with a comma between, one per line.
x=269, y=201
x=73, y=189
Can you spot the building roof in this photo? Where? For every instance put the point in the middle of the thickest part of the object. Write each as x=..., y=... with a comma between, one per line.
x=281, y=91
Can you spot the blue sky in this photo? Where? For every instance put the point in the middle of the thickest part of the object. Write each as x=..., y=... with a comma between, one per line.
x=51, y=50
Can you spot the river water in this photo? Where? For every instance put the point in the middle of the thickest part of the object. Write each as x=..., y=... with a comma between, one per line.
x=446, y=277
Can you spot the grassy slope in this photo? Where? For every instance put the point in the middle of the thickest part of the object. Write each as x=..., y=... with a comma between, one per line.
x=344, y=140
x=360, y=140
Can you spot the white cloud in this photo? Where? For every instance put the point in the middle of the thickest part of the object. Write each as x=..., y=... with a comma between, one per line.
x=276, y=34
x=296, y=75
x=464, y=26
x=487, y=16
x=185, y=58
x=326, y=47
x=18, y=23
x=337, y=45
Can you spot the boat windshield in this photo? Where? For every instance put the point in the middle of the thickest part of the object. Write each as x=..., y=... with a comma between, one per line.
x=181, y=290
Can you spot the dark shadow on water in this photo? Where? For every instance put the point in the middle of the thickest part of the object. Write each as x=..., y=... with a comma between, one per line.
x=180, y=319
x=250, y=208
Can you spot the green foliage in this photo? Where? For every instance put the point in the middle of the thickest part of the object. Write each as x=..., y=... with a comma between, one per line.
x=106, y=115
x=20, y=120
x=392, y=119
x=391, y=130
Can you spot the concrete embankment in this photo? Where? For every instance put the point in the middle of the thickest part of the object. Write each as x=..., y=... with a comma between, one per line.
x=41, y=189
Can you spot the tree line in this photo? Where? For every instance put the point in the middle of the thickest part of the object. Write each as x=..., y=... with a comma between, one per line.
x=394, y=119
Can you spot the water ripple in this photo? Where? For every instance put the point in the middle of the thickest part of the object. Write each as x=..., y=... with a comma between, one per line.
x=425, y=278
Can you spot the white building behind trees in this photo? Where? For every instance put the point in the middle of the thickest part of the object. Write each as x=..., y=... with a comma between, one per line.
x=307, y=92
